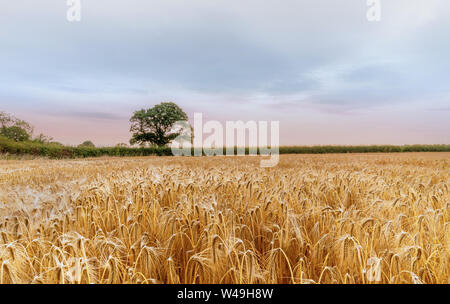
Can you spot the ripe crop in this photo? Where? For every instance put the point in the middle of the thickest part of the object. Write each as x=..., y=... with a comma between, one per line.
x=359, y=218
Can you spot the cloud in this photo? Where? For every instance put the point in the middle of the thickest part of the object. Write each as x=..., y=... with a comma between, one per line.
x=223, y=57
x=95, y=115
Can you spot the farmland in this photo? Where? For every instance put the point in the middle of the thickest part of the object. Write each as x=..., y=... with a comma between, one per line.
x=335, y=218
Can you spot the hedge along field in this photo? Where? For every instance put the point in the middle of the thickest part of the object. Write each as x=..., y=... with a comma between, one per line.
x=57, y=151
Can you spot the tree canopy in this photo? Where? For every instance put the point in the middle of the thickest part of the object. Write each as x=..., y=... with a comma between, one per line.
x=15, y=133
x=87, y=144
x=154, y=126
x=14, y=128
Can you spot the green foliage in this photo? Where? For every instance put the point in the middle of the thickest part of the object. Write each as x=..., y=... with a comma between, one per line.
x=14, y=128
x=56, y=150
x=8, y=121
x=55, y=143
x=15, y=133
x=87, y=144
x=43, y=139
x=154, y=126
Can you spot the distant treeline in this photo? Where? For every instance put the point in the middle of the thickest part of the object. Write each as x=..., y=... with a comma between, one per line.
x=30, y=148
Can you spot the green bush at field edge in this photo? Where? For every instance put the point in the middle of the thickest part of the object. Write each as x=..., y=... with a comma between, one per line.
x=54, y=150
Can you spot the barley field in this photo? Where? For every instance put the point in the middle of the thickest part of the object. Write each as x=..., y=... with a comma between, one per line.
x=337, y=218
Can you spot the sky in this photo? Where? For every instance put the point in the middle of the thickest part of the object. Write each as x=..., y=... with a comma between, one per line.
x=319, y=67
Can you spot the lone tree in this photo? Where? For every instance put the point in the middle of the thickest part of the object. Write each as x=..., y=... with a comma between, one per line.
x=155, y=126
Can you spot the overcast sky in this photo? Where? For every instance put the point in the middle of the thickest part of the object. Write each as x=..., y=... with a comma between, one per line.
x=318, y=66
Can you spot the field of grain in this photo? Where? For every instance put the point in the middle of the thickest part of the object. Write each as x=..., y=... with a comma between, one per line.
x=349, y=218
